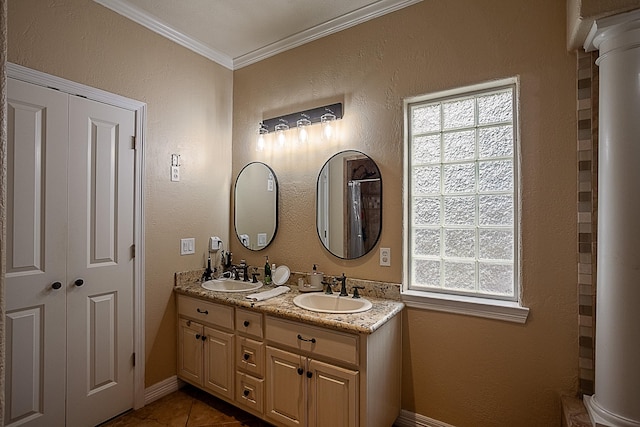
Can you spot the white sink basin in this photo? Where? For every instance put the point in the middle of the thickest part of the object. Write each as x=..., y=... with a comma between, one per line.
x=230, y=285
x=324, y=303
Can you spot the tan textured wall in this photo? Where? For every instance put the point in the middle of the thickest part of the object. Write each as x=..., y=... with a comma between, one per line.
x=461, y=370
x=188, y=100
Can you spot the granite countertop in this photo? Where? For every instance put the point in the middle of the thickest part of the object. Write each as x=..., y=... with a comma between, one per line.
x=282, y=306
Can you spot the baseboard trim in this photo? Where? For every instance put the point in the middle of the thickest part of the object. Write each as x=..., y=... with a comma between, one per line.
x=411, y=419
x=405, y=419
x=162, y=389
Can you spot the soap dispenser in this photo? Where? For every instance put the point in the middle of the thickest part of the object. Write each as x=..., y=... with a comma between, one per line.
x=315, y=279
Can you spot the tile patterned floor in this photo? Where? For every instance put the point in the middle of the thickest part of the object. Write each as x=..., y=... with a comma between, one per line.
x=187, y=407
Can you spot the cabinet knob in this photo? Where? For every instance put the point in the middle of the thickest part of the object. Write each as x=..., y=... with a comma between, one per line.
x=56, y=285
x=300, y=371
x=246, y=356
x=198, y=336
x=246, y=323
x=203, y=338
x=246, y=393
x=309, y=374
x=79, y=282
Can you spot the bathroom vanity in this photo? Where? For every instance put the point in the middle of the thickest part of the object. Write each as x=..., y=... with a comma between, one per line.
x=290, y=366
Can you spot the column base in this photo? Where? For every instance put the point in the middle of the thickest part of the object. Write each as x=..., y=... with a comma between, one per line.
x=600, y=417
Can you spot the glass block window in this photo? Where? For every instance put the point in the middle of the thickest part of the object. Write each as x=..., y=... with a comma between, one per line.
x=461, y=200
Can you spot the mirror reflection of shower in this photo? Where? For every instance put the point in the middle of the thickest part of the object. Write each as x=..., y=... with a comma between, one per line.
x=349, y=204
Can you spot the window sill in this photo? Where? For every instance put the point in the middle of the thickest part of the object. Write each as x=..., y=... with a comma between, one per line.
x=508, y=311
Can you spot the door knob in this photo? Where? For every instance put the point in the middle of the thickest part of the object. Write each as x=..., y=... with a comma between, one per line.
x=79, y=282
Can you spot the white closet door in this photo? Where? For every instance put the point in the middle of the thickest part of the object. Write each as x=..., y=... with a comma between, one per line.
x=36, y=255
x=100, y=262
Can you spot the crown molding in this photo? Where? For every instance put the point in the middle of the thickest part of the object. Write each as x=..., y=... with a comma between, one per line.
x=335, y=25
x=366, y=13
x=162, y=28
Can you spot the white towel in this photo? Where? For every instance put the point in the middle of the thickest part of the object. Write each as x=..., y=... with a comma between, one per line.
x=264, y=295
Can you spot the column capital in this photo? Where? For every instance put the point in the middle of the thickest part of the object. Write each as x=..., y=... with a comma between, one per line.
x=609, y=27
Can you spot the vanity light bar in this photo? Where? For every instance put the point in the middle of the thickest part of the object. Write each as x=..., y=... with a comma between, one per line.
x=314, y=116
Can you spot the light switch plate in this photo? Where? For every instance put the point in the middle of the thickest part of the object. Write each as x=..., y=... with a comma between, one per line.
x=188, y=246
x=385, y=257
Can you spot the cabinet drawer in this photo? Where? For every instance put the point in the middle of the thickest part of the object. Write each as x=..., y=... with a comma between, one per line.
x=250, y=392
x=205, y=311
x=314, y=340
x=250, y=356
x=249, y=323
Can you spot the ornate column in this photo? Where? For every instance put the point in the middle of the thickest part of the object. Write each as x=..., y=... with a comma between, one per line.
x=616, y=401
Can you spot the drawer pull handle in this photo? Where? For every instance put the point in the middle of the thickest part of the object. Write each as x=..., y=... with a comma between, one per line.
x=312, y=340
x=309, y=374
x=246, y=356
x=246, y=393
x=246, y=323
x=202, y=311
x=300, y=371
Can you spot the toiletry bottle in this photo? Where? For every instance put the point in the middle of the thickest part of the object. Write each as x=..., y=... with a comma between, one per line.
x=267, y=272
x=315, y=279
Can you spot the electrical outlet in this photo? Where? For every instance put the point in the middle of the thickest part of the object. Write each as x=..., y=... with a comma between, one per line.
x=385, y=257
x=214, y=244
x=175, y=173
x=188, y=246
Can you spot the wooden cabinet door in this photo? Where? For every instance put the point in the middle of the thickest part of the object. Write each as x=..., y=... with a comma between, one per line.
x=218, y=362
x=333, y=395
x=190, y=351
x=286, y=394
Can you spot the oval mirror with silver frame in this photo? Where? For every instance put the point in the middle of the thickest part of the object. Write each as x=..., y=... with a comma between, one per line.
x=349, y=204
x=256, y=206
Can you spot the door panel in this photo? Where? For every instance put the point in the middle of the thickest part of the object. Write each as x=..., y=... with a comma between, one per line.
x=285, y=387
x=101, y=201
x=103, y=353
x=190, y=351
x=36, y=254
x=218, y=356
x=336, y=388
x=25, y=357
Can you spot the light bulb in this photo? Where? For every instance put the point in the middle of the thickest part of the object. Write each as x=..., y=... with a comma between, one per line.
x=262, y=131
x=302, y=125
x=280, y=131
x=327, y=120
